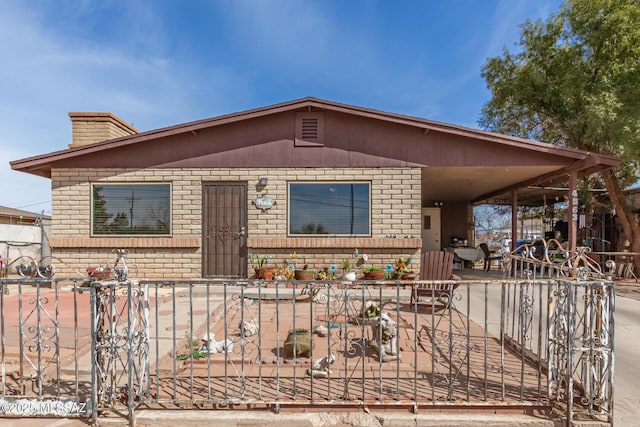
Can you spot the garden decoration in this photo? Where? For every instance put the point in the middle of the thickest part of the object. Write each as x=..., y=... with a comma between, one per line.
x=248, y=329
x=370, y=310
x=348, y=274
x=298, y=343
x=389, y=272
x=320, y=368
x=385, y=342
x=402, y=268
x=333, y=269
x=321, y=331
x=284, y=272
x=211, y=346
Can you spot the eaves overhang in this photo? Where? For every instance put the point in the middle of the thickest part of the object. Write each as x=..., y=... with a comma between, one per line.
x=41, y=165
x=589, y=164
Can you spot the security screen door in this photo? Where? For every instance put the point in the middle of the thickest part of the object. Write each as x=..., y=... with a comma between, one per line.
x=224, y=230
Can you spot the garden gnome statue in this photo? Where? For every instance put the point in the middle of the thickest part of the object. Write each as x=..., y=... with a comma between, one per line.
x=385, y=337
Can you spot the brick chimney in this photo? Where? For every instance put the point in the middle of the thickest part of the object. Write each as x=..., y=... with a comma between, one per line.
x=90, y=127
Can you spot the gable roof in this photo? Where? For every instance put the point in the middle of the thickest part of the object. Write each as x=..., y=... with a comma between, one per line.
x=445, y=150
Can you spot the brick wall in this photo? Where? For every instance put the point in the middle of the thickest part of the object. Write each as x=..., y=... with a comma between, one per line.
x=90, y=127
x=395, y=209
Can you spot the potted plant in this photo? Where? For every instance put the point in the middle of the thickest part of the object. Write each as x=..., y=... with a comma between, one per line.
x=284, y=272
x=401, y=269
x=373, y=273
x=262, y=271
x=347, y=274
x=304, y=274
x=323, y=275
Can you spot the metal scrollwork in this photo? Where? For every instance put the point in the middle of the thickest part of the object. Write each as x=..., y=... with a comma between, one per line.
x=27, y=266
x=225, y=232
x=39, y=339
x=121, y=319
x=550, y=258
x=579, y=329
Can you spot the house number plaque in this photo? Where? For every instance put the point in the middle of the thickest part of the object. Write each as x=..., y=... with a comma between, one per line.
x=264, y=202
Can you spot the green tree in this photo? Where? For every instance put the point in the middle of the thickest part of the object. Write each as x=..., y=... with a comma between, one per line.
x=575, y=82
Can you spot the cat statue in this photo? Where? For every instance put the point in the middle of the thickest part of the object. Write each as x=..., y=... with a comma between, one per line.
x=211, y=346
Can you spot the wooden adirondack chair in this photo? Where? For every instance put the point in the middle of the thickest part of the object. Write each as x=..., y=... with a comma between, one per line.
x=435, y=265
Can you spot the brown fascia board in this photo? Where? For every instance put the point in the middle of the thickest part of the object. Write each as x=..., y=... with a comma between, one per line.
x=35, y=164
x=431, y=125
x=39, y=165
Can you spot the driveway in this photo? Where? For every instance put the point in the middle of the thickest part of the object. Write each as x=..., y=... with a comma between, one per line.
x=626, y=341
x=627, y=348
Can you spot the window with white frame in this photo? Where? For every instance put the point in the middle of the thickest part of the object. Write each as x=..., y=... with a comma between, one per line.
x=131, y=209
x=330, y=208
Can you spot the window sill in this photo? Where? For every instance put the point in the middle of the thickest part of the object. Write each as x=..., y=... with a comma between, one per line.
x=125, y=242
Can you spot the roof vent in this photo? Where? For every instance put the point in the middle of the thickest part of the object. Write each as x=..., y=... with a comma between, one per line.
x=309, y=129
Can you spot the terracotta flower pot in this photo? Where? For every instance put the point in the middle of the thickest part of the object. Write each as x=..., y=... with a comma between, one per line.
x=373, y=275
x=304, y=275
x=264, y=273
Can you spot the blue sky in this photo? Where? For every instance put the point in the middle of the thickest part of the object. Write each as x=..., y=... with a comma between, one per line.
x=160, y=63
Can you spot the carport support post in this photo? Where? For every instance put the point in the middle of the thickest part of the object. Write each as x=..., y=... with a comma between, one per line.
x=514, y=220
x=573, y=211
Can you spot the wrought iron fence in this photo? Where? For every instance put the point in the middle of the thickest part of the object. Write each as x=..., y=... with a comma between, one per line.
x=45, y=334
x=507, y=343
x=542, y=344
x=576, y=346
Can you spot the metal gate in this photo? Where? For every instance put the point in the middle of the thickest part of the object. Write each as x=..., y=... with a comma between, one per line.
x=45, y=348
x=71, y=348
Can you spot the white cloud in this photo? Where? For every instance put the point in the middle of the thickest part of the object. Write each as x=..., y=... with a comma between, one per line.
x=126, y=57
x=508, y=17
x=338, y=56
x=21, y=190
x=48, y=71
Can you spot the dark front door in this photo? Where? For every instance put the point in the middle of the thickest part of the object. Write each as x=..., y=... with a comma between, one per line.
x=224, y=251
